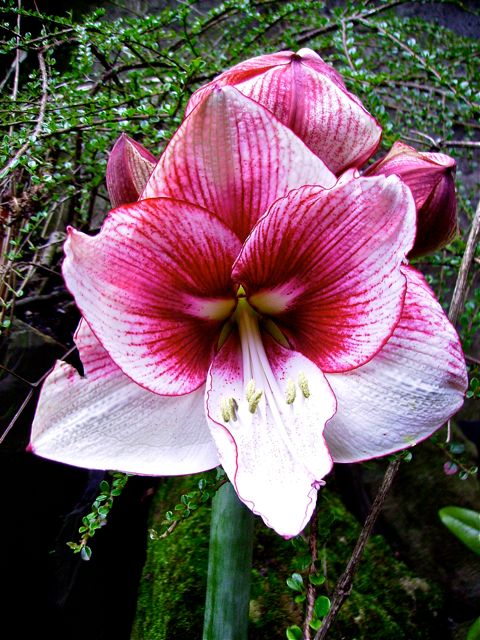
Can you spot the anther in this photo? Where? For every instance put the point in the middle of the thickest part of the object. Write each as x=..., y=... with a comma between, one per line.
x=228, y=407
x=303, y=384
x=291, y=393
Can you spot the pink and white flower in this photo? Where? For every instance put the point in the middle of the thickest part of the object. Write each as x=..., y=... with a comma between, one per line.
x=249, y=311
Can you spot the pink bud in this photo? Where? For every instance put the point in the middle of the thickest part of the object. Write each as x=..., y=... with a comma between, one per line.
x=128, y=169
x=430, y=177
x=309, y=97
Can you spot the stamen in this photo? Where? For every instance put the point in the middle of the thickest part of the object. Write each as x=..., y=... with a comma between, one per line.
x=228, y=408
x=291, y=393
x=254, y=401
x=303, y=384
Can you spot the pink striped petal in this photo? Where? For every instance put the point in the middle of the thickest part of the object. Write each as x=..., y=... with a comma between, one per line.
x=409, y=389
x=326, y=265
x=275, y=457
x=234, y=158
x=105, y=421
x=310, y=97
x=155, y=287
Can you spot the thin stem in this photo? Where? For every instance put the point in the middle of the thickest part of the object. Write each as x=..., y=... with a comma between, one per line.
x=38, y=126
x=344, y=584
x=459, y=292
x=311, y=589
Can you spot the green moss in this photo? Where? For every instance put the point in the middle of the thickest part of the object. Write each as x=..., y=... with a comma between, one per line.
x=388, y=600
x=172, y=590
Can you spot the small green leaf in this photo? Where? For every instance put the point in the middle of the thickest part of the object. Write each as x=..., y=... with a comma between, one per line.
x=474, y=631
x=294, y=633
x=300, y=598
x=316, y=579
x=321, y=606
x=295, y=582
x=315, y=624
x=465, y=524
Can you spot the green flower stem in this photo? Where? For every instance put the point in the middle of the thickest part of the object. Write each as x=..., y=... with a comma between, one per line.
x=229, y=568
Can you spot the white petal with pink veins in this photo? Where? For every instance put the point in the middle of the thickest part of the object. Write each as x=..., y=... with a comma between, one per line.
x=105, y=421
x=267, y=407
x=409, y=389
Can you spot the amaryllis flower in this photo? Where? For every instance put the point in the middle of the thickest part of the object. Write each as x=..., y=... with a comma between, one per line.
x=128, y=169
x=310, y=97
x=431, y=178
x=248, y=311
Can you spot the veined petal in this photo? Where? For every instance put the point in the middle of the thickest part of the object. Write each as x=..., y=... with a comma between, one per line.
x=409, y=389
x=326, y=265
x=310, y=97
x=154, y=285
x=233, y=157
x=276, y=456
x=105, y=421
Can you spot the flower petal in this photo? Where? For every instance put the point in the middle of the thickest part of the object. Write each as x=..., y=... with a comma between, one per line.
x=105, y=421
x=409, y=389
x=310, y=97
x=234, y=158
x=155, y=286
x=326, y=265
x=276, y=457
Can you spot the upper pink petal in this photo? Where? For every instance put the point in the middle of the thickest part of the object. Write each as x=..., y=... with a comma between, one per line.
x=275, y=457
x=103, y=420
x=155, y=287
x=310, y=97
x=233, y=157
x=409, y=389
x=326, y=265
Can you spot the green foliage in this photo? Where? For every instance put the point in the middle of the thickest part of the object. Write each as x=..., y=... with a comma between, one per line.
x=388, y=600
x=208, y=485
x=463, y=523
x=97, y=517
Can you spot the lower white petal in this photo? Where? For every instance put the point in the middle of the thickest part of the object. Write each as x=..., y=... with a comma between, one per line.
x=106, y=421
x=272, y=449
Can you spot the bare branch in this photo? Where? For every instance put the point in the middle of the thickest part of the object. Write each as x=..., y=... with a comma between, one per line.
x=12, y=163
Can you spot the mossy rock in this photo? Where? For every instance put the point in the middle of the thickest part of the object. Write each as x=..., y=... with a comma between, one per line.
x=388, y=600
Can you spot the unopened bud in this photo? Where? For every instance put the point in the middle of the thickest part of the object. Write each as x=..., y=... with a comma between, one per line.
x=430, y=177
x=128, y=169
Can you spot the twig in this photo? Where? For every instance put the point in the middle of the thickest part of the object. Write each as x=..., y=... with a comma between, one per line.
x=458, y=297
x=311, y=589
x=345, y=46
x=355, y=18
x=344, y=584
x=12, y=163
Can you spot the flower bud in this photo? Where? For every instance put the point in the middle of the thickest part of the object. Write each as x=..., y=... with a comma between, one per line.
x=430, y=177
x=309, y=97
x=128, y=169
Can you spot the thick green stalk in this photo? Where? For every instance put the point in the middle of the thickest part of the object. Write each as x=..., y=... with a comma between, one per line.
x=229, y=568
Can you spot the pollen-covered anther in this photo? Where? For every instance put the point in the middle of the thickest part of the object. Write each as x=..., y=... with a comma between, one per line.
x=303, y=384
x=253, y=396
x=291, y=392
x=228, y=407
